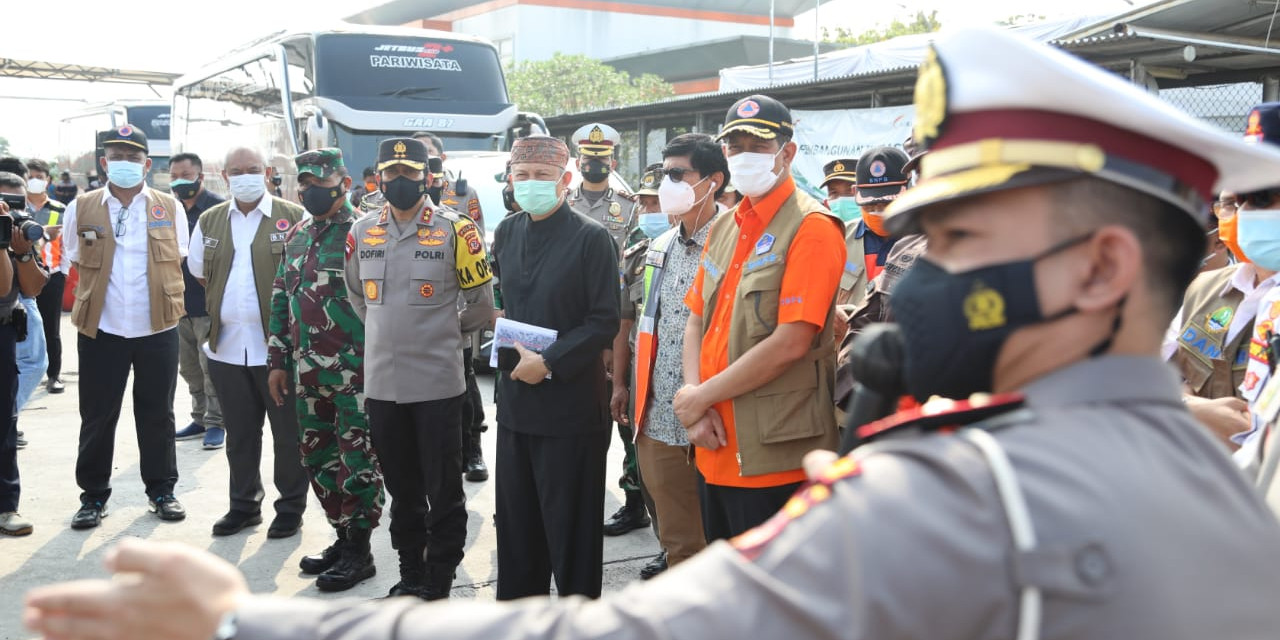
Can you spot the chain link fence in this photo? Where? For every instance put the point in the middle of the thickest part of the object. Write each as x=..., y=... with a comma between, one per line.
x=1224, y=105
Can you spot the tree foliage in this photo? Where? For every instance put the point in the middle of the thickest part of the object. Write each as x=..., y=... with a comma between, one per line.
x=577, y=83
x=921, y=22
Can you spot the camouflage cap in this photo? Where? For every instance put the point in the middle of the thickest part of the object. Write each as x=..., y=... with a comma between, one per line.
x=321, y=163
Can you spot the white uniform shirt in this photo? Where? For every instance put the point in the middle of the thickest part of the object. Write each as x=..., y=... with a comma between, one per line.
x=242, y=340
x=127, y=309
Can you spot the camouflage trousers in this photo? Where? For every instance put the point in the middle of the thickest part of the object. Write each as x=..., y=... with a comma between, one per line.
x=338, y=454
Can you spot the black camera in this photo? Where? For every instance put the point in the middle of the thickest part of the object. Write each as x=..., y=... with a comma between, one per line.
x=30, y=229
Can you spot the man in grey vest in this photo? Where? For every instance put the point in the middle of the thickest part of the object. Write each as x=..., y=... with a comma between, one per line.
x=235, y=250
x=408, y=269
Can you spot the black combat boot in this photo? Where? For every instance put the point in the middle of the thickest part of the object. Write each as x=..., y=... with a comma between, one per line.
x=319, y=563
x=630, y=517
x=439, y=582
x=413, y=573
x=354, y=565
x=473, y=458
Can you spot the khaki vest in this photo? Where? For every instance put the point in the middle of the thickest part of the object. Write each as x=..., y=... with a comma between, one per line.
x=792, y=415
x=267, y=252
x=164, y=262
x=1210, y=367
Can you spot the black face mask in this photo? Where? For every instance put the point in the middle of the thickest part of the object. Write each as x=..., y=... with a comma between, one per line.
x=188, y=191
x=596, y=171
x=954, y=324
x=403, y=193
x=434, y=194
x=318, y=200
x=277, y=180
x=509, y=200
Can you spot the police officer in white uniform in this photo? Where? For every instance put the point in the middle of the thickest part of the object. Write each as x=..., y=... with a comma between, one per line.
x=1064, y=210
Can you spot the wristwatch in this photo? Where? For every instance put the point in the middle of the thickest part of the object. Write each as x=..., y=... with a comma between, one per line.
x=226, y=627
x=26, y=257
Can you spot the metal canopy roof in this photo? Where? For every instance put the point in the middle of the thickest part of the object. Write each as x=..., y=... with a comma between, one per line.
x=402, y=11
x=706, y=59
x=12, y=68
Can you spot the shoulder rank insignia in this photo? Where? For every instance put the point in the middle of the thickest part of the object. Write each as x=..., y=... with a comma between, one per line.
x=942, y=413
x=752, y=543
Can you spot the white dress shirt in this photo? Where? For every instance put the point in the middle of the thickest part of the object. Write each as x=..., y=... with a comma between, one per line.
x=127, y=309
x=242, y=340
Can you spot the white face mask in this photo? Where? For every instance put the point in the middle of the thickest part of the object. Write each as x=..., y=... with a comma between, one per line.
x=247, y=187
x=36, y=185
x=752, y=173
x=677, y=198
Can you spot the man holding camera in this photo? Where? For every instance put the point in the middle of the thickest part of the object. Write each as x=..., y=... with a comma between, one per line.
x=20, y=273
x=127, y=242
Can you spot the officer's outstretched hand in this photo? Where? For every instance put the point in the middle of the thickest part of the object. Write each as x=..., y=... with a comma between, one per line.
x=277, y=385
x=531, y=369
x=160, y=590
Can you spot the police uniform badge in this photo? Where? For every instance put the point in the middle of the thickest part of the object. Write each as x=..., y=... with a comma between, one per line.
x=984, y=307
x=370, y=289
x=930, y=100
x=615, y=211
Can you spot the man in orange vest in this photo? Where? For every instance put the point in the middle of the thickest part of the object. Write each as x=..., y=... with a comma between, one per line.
x=759, y=354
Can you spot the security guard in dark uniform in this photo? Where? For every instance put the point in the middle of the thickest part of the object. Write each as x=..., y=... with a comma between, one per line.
x=418, y=276
x=596, y=143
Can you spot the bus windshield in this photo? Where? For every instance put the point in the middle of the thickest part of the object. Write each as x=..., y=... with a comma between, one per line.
x=152, y=119
x=392, y=73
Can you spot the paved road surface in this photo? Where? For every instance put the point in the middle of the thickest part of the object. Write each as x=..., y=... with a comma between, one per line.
x=55, y=552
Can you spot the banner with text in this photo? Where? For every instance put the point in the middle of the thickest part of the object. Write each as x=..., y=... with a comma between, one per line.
x=823, y=136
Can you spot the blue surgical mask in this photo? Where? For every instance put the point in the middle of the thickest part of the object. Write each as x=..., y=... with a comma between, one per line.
x=125, y=174
x=1258, y=233
x=846, y=208
x=653, y=224
x=538, y=197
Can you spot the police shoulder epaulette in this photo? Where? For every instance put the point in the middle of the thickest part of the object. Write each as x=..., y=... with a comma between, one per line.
x=626, y=195
x=642, y=245
x=449, y=214
x=942, y=413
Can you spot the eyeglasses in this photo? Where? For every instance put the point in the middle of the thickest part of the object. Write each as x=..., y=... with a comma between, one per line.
x=676, y=173
x=1225, y=205
x=1258, y=199
x=120, y=220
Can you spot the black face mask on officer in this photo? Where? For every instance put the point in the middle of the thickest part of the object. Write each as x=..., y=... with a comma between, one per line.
x=954, y=324
x=187, y=191
x=319, y=199
x=509, y=200
x=403, y=192
x=595, y=171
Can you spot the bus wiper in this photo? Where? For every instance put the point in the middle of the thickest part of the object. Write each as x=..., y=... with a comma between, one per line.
x=409, y=91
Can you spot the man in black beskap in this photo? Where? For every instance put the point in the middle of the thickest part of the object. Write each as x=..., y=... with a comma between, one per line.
x=559, y=271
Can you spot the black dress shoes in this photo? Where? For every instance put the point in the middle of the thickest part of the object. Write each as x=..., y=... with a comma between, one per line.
x=235, y=522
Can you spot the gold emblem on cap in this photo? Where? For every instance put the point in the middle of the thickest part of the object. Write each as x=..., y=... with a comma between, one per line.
x=596, y=134
x=930, y=99
x=984, y=307
x=400, y=149
x=838, y=168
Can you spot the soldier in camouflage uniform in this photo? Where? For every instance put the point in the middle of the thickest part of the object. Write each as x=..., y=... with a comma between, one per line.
x=316, y=344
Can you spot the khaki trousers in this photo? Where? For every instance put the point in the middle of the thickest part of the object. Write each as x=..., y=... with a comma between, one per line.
x=672, y=481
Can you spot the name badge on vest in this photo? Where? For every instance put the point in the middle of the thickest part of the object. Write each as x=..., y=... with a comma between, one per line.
x=765, y=243
x=210, y=243
x=277, y=237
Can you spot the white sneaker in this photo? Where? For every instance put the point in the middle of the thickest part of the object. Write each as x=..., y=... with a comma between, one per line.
x=12, y=524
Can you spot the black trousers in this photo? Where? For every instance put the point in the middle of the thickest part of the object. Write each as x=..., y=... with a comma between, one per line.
x=49, y=302
x=246, y=403
x=473, y=404
x=550, y=496
x=105, y=362
x=731, y=511
x=419, y=446
x=10, y=487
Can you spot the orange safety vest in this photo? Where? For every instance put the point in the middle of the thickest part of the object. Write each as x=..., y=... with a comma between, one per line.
x=646, y=338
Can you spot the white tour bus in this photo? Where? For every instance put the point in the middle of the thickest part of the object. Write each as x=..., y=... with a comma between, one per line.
x=350, y=86
x=79, y=146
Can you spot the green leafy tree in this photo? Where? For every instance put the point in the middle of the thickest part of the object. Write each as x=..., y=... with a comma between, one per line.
x=577, y=83
x=1021, y=19
x=921, y=22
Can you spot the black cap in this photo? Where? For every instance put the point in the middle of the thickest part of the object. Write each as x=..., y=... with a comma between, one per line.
x=406, y=151
x=880, y=174
x=839, y=169
x=760, y=116
x=1264, y=124
x=128, y=135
